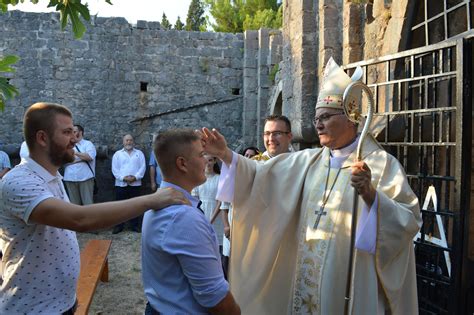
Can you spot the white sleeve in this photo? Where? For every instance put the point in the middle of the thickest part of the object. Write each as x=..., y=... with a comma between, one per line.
x=90, y=149
x=141, y=167
x=226, y=186
x=366, y=233
x=116, y=167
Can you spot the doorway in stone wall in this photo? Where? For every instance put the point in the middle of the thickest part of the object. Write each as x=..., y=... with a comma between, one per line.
x=423, y=117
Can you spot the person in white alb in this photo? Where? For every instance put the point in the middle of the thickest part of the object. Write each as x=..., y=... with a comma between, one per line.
x=79, y=175
x=290, y=238
x=128, y=167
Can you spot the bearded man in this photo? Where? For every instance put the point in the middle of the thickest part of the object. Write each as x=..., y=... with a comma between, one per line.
x=40, y=264
x=128, y=167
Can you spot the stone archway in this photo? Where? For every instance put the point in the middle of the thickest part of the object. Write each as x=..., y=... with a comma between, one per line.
x=276, y=100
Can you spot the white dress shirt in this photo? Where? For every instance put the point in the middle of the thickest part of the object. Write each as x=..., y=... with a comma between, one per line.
x=24, y=152
x=79, y=172
x=125, y=164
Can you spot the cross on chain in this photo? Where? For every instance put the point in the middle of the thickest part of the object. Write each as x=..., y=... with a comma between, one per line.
x=320, y=213
x=325, y=198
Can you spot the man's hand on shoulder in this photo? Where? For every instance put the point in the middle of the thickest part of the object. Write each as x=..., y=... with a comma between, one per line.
x=165, y=197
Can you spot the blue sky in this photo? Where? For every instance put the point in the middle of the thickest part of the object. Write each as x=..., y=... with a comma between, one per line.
x=132, y=10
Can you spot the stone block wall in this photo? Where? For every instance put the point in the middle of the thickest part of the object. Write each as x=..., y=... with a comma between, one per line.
x=301, y=50
x=262, y=55
x=122, y=79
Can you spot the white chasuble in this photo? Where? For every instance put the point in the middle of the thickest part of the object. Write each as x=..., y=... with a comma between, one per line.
x=314, y=241
x=280, y=264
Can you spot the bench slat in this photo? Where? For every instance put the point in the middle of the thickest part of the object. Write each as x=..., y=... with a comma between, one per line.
x=94, y=266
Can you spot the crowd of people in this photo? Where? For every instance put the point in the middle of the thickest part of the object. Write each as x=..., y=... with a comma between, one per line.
x=222, y=233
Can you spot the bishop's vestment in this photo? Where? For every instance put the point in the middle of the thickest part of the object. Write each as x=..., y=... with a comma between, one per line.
x=280, y=264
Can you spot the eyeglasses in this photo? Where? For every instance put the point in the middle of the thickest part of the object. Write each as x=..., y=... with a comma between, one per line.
x=324, y=118
x=275, y=133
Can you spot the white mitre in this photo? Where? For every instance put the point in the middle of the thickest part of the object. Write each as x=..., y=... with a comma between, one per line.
x=335, y=81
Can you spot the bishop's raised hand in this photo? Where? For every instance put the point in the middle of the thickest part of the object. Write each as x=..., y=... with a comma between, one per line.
x=215, y=144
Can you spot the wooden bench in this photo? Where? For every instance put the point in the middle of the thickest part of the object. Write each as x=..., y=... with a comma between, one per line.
x=94, y=266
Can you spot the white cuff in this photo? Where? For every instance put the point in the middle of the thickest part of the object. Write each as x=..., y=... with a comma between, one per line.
x=366, y=233
x=226, y=186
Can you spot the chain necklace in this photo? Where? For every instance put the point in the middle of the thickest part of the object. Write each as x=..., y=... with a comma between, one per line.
x=326, y=198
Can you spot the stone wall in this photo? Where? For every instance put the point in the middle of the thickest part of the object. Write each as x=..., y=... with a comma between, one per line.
x=262, y=59
x=301, y=50
x=122, y=79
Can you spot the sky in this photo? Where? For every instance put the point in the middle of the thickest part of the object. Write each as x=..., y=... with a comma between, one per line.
x=132, y=10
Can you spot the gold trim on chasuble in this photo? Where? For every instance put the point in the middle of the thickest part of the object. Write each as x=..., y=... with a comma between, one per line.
x=313, y=244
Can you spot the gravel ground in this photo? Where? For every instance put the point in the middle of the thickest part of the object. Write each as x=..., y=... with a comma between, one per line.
x=123, y=294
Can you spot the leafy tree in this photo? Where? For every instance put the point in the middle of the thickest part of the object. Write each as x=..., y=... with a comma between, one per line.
x=235, y=16
x=73, y=11
x=165, y=23
x=179, y=26
x=70, y=10
x=264, y=18
x=7, y=91
x=195, y=20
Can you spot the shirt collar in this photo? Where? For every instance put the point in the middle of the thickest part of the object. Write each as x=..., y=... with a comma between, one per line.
x=194, y=201
x=347, y=150
x=290, y=150
x=123, y=149
x=40, y=170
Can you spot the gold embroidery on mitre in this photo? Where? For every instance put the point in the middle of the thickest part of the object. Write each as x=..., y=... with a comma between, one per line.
x=334, y=83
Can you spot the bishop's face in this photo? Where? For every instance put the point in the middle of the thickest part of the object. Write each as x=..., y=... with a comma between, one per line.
x=334, y=129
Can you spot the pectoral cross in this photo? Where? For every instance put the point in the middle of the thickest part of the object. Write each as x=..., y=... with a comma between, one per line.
x=320, y=213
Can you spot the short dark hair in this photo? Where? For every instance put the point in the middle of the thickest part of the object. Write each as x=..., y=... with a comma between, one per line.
x=280, y=118
x=41, y=116
x=249, y=148
x=170, y=144
x=81, y=129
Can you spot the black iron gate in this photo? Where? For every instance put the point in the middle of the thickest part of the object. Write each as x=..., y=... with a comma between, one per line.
x=423, y=117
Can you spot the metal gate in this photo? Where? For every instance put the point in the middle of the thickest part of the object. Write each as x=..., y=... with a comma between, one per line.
x=423, y=117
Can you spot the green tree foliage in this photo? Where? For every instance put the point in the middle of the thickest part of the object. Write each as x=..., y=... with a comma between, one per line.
x=195, y=20
x=72, y=11
x=165, y=23
x=7, y=91
x=235, y=16
x=179, y=26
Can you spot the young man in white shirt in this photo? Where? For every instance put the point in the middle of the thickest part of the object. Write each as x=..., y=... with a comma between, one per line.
x=79, y=175
x=40, y=250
